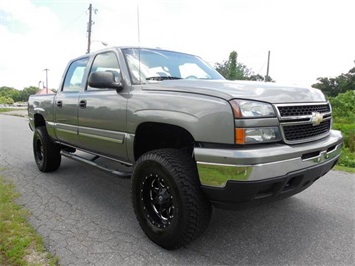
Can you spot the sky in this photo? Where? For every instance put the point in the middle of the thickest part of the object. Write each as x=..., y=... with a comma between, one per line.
x=307, y=39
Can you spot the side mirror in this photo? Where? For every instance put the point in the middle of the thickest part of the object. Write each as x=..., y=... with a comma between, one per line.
x=105, y=80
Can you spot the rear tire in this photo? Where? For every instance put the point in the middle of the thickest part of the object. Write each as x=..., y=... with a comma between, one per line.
x=167, y=198
x=46, y=153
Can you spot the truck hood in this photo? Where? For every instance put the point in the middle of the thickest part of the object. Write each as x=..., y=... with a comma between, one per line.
x=225, y=89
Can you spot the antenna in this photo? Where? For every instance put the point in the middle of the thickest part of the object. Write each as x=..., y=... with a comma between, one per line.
x=139, y=45
x=138, y=25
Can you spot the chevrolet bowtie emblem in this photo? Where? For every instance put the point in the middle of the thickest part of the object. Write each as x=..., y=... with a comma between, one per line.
x=316, y=118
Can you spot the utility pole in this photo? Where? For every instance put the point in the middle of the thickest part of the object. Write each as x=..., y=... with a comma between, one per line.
x=268, y=65
x=46, y=69
x=90, y=23
x=89, y=28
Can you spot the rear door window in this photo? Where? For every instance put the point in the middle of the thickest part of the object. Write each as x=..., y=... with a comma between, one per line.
x=75, y=75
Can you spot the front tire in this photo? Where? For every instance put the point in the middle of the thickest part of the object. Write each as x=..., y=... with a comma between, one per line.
x=167, y=198
x=46, y=153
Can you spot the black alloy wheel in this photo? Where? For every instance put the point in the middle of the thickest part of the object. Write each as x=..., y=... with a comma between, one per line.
x=157, y=200
x=167, y=198
x=46, y=152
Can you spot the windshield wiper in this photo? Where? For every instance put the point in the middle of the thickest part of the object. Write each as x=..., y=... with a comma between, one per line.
x=159, y=78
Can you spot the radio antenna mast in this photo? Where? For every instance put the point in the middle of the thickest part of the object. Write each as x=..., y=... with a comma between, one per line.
x=138, y=26
x=139, y=45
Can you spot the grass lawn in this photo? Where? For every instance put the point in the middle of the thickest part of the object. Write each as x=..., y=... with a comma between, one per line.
x=3, y=110
x=8, y=109
x=344, y=169
x=19, y=243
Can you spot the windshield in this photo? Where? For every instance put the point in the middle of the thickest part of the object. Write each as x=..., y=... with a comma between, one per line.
x=157, y=65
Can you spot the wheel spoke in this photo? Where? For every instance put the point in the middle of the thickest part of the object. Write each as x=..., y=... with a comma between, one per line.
x=155, y=200
x=160, y=207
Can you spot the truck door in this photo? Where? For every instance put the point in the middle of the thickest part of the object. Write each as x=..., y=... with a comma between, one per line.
x=102, y=113
x=66, y=102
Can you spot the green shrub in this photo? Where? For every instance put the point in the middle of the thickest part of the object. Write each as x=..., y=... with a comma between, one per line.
x=347, y=158
x=344, y=120
x=348, y=131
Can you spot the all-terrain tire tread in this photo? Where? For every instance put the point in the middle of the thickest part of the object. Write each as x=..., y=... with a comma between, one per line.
x=51, y=156
x=197, y=207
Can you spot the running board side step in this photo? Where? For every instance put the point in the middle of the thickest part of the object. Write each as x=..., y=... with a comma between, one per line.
x=93, y=163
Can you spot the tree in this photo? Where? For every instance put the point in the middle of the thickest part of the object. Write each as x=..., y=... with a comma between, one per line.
x=343, y=107
x=231, y=69
x=6, y=100
x=10, y=92
x=16, y=95
x=26, y=92
x=256, y=77
x=232, y=63
x=234, y=70
x=333, y=86
x=222, y=68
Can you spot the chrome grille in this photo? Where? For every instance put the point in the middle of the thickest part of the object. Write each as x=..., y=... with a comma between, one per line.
x=301, y=110
x=296, y=122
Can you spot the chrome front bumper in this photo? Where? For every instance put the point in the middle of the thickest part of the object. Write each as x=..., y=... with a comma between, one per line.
x=218, y=166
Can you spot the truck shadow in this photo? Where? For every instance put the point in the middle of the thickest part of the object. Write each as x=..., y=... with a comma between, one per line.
x=276, y=232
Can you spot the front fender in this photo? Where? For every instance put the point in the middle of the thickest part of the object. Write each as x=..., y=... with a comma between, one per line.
x=206, y=118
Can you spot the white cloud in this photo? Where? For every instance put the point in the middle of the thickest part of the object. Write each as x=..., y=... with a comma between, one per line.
x=26, y=53
x=307, y=39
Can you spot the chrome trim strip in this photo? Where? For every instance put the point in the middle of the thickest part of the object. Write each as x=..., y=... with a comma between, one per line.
x=302, y=122
x=66, y=128
x=303, y=117
x=119, y=141
x=263, y=163
x=102, y=134
x=301, y=104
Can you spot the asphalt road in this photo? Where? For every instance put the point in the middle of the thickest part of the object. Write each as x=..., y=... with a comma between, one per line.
x=85, y=217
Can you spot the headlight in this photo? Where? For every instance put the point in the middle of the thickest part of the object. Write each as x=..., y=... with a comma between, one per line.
x=257, y=135
x=250, y=109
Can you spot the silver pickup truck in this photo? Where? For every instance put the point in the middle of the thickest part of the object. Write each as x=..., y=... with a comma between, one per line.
x=188, y=138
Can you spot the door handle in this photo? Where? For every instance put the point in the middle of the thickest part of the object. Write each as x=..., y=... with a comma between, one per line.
x=60, y=104
x=82, y=104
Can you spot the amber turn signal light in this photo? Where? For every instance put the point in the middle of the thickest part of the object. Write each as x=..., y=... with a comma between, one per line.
x=239, y=136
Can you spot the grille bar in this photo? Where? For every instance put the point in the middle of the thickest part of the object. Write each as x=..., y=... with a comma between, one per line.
x=296, y=122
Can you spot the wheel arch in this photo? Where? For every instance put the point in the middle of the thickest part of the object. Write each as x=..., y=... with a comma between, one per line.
x=39, y=121
x=154, y=135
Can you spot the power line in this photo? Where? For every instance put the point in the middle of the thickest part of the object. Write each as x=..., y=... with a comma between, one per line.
x=70, y=24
